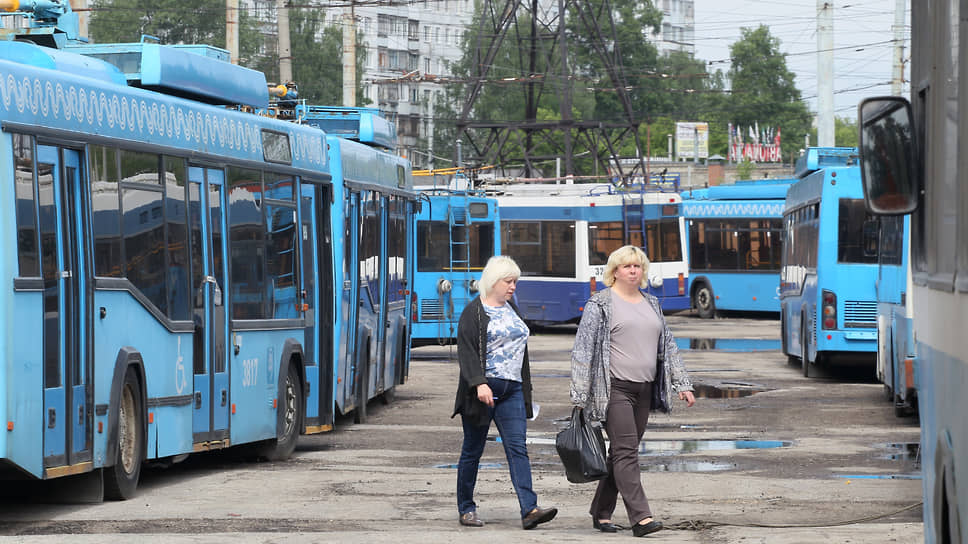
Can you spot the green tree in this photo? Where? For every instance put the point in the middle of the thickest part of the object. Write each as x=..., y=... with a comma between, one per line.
x=316, y=49
x=125, y=21
x=845, y=132
x=763, y=88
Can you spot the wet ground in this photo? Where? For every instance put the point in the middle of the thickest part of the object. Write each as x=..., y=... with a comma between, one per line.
x=766, y=455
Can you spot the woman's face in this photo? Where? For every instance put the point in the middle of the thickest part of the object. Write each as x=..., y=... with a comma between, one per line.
x=503, y=289
x=629, y=274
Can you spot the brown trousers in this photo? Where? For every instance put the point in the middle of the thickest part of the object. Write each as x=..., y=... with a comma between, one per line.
x=626, y=418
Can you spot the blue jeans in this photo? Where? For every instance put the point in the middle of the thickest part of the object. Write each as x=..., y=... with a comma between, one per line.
x=511, y=419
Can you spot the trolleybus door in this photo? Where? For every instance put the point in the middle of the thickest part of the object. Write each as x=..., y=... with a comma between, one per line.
x=318, y=315
x=66, y=362
x=210, y=418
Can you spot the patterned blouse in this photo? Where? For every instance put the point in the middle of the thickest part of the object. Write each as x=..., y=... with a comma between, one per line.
x=507, y=336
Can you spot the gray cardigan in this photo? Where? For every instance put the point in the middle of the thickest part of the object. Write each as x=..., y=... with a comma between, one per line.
x=590, y=376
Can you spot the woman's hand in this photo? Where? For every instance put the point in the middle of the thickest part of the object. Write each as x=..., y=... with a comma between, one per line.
x=485, y=395
x=688, y=397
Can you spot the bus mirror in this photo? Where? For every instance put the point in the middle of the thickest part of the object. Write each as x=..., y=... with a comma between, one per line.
x=888, y=157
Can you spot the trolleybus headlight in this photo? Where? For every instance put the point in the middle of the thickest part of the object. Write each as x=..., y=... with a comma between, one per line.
x=472, y=286
x=444, y=286
x=655, y=281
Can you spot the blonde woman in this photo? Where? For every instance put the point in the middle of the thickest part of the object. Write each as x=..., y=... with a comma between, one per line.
x=625, y=363
x=495, y=385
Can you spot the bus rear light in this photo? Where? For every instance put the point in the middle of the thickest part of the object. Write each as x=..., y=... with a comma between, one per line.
x=100, y=427
x=593, y=284
x=413, y=306
x=828, y=309
x=151, y=417
x=10, y=425
x=909, y=373
x=682, y=284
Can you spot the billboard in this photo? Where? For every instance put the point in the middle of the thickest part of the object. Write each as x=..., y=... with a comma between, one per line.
x=692, y=140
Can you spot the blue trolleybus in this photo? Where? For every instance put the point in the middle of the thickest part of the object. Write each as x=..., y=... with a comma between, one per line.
x=912, y=160
x=171, y=262
x=896, y=357
x=735, y=245
x=372, y=219
x=828, y=280
x=457, y=230
x=561, y=236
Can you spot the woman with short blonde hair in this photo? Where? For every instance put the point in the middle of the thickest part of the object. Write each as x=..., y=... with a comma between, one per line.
x=625, y=364
x=626, y=255
x=497, y=268
x=495, y=385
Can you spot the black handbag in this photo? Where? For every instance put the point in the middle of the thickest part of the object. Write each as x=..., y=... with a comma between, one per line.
x=581, y=447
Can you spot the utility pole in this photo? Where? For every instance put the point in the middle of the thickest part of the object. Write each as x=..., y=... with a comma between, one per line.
x=898, y=79
x=349, y=56
x=566, y=119
x=232, y=29
x=825, y=73
x=285, y=48
x=80, y=8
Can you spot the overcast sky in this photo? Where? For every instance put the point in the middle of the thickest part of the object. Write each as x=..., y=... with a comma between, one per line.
x=863, y=42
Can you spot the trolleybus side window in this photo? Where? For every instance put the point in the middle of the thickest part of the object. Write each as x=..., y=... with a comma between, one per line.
x=541, y=248
x=247, y=242
x=281, y=280
x=106, y=216
x=176, y=236
x=663, y=241
x=397, y=248
x=431, y=237
x=857, y=233
x=603, y=239
x=481, y=243
x=143, y=225
x=23, y=159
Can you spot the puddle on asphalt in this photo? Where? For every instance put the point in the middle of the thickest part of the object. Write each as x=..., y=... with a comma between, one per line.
x=482, y=466
x=729, y=344
x=726, y=390
x=906, y=452
x=671, y=447
x=687, y=466
x=878, y=476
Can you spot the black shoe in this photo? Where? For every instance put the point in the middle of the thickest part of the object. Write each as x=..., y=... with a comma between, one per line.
x=651, y=527
x=604, y=526
x=470, y=519
x=538, y=516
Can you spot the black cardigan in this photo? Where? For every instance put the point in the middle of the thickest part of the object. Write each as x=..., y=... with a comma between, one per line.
x=471, y=337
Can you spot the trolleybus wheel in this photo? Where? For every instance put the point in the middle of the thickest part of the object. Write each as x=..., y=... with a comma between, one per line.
x=808, y=372
x=291, y=406
x=704, y=302
x=121, y=479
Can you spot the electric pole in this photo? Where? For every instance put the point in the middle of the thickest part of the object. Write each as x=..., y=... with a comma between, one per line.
x=349, y=57
x=898, y=79
x=232, y=29
x=825, y=73
x=285, y=48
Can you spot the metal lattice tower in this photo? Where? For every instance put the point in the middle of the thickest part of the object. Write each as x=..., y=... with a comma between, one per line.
x=487, y=141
